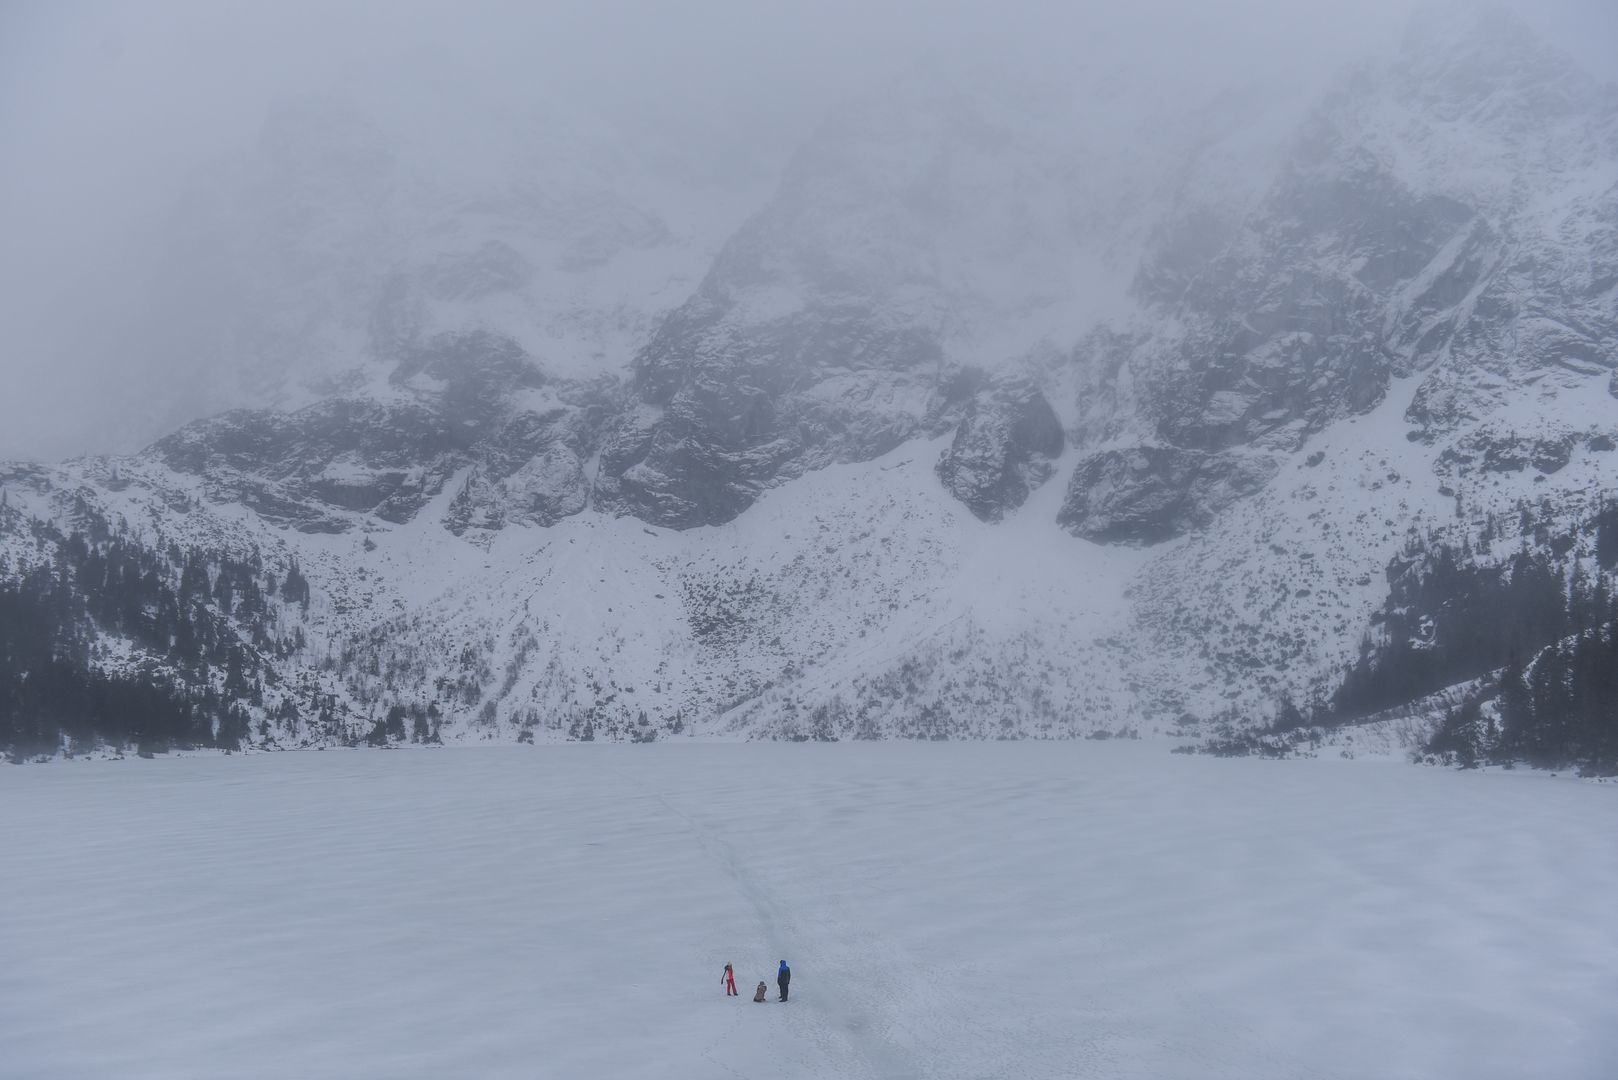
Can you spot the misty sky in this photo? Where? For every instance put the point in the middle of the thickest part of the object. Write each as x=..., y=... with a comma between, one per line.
x=108, y=110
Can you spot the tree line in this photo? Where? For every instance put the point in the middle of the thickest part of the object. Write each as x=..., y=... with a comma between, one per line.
x=1519, y=650
x=105, y=641
x=1536, y=634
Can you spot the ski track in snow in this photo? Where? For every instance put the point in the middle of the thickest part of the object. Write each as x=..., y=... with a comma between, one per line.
x=837, y=1027
x=949, y=910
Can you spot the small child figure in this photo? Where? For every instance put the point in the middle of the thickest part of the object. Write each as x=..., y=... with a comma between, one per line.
x=729, y=979
x=758, y=995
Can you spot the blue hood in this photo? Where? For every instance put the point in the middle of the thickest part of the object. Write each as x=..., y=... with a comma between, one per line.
x=784, y=966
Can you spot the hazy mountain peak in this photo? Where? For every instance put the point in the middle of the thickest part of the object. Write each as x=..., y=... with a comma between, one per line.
x=1482, y=60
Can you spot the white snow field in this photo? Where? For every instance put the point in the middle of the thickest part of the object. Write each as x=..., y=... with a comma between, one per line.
x=1020, y=910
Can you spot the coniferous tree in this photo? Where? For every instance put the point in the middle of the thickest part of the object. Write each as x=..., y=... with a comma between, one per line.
x=1607, y=534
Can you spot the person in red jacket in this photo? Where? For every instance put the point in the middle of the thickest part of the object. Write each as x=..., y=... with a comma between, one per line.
x=729, y=979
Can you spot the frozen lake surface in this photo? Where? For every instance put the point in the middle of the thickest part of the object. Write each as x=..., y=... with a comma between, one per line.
x=949, y=910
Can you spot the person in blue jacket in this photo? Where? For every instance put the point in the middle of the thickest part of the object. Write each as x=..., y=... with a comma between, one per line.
x=783, y=977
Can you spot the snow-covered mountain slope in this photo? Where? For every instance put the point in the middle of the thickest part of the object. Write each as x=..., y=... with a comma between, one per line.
x=894, y=611
x=851, y=486
x=861, y=600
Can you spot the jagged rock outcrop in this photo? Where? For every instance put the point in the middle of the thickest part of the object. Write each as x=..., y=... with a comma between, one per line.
x=541, y=490
x=1005, y=446
x=1501, y=448
x=725, y=415
x=465, y=400
x=1344, y=276
x=1545, y=322
x=1479, y=110
x=1151, y=494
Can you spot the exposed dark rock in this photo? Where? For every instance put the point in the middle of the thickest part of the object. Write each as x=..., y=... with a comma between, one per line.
x=459, y=404
x=544, y=489
x=468, y=377
x=1289, y=329
x=24, y=474
x=730, y=411
x=1151, y=494
x=1005, y=446
x=1551, y=455
x=1506, y=452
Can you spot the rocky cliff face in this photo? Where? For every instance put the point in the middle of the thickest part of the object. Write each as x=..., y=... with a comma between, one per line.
x=472, y=405
x=1445, y=215
x=1005, y=446
x=725, y=413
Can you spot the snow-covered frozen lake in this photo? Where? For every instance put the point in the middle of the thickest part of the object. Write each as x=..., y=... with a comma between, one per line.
x=949, y=910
